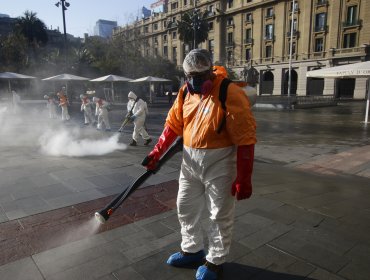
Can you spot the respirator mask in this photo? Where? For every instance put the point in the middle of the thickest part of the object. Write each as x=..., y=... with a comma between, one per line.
x=199, y=82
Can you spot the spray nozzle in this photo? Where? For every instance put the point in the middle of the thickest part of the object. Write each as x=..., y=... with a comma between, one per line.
x=103, y=215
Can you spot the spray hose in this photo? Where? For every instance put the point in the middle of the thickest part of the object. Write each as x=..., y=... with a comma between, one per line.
x=103, y=215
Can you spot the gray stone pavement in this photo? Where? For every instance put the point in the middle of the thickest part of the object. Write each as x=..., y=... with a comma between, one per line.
x=308, y=217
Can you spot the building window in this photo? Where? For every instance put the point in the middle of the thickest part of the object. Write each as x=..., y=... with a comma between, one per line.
x=230, y=3
x=293, y=48
x=211, y=47
x=248, y=54
x=230, y=21
x=174, y=6
x=248, y=1
x=164, y=24
x=248, y=36
x=349, y=40
x=269, y=32
x=230, y=57
x=268, y=51
x=165, y=38
x=155, y=26
x=210, y=25
x=155, y=51
x=295, y=6
x=320, y=22
x=174, y=35
x=185, y=2
x=165, y=51
x=174, y=54
x=269, y=12
x=319, y=44
x=351, y=15
x=230, y=38
x=248, y=17
x=146, y=29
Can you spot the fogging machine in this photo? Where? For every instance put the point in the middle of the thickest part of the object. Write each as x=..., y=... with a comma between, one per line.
x=103, y=215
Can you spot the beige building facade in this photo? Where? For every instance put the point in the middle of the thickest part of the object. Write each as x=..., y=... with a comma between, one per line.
x=244, y=33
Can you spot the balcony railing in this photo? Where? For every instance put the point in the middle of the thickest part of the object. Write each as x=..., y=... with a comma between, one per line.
x=321, y=28
x=351, y=23
x=230, y=44
x=295, y=33
x=269, y=37
x=321, y=3
x=248, y=41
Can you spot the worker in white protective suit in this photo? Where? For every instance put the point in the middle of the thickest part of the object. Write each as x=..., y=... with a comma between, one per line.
x=86, y=107
x=63, y=103
x=16, y=102
x=102, y=113
x=217, y=162
x=52, y=106
x=139, y=110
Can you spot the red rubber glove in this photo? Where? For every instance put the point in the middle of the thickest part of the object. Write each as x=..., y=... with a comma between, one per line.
x=242, y=185
x=164, y=142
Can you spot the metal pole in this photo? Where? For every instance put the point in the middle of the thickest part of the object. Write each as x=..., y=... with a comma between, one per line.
x=194, y=21
x=290, y=54
x=367, y=101
x=65, y=32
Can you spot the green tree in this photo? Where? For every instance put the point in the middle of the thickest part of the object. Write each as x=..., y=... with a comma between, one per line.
x=13, y=53
x=31, y=27
x=193, y=24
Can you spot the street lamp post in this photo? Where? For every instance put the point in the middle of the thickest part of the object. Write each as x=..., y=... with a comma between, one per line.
x=291, y=53
x=64, y=5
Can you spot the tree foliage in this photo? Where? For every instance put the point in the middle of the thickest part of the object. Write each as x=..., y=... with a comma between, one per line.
x=193, y=23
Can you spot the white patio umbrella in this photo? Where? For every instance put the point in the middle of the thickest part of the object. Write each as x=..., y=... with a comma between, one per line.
x=354, y=70
x=111, y=78
x=66, y=78
x=14, y=76
x=150, y=80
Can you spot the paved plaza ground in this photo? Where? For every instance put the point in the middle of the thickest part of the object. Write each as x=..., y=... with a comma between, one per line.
x=309, y=216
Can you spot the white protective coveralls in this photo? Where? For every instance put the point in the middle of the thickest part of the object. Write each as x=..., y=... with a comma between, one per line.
x=63, y=103
x=86, y=107
x=16, y=101
x=208, y=166
x=102, y=113
x=52, y=106
x=139, y=112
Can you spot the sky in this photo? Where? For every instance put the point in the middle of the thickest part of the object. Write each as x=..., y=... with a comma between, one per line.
x=80, y=16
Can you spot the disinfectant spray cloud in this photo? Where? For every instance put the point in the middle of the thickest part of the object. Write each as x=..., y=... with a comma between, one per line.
x=32, y=128
x=71, y=143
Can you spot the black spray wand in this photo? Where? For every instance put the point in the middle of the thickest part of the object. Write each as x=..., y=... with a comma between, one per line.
x=104, y=214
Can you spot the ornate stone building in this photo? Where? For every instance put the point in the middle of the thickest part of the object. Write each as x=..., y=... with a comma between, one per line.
x=258, y=33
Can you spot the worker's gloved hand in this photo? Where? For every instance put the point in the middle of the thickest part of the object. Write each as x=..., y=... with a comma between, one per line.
x=167, y=137
x=242, y=186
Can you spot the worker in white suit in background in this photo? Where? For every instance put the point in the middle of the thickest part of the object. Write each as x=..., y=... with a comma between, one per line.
x=139, y=110
x=102, y=113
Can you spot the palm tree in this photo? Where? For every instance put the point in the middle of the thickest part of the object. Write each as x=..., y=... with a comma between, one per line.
x=31, y=27
x=193, y=24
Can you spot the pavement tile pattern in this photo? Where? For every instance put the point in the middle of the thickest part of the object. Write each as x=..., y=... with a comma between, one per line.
x=307, y=219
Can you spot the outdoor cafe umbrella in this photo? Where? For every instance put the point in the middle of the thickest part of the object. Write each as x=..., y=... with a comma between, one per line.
x=66, y=78
x=111, y=78
x=14, y=76
x=354, y=70
x=150, y=80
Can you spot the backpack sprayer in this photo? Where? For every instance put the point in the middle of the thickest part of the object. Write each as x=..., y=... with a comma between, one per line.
x=103, y=215
x=128, y=116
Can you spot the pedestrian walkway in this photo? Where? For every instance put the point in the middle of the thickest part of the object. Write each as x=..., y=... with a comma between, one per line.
x=301, y=223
